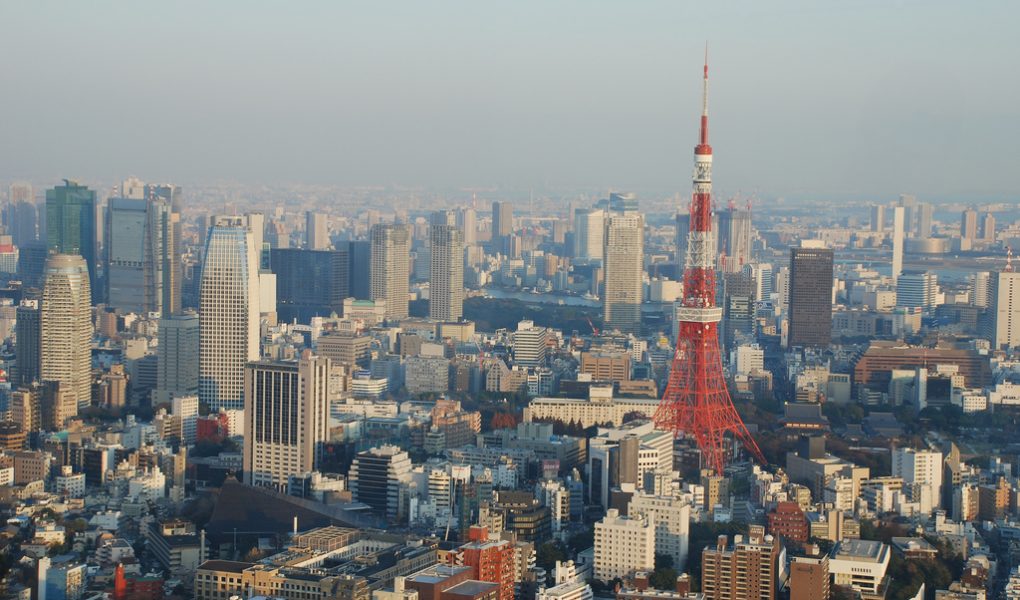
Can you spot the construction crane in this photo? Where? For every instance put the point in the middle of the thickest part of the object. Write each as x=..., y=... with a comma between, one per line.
x=594, y=330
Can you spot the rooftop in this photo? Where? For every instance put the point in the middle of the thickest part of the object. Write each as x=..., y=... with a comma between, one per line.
x=861, y=550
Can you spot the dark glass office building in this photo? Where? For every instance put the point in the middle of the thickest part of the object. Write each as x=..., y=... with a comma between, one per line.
x=810, y=297
x=310, y=283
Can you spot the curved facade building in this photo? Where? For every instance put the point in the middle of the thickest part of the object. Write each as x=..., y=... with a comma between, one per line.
x=65, y=326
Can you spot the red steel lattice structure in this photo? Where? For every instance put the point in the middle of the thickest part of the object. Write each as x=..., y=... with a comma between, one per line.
x=696, y=402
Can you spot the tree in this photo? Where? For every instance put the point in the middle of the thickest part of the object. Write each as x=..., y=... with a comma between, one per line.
x=663, y=579
x=548, y=554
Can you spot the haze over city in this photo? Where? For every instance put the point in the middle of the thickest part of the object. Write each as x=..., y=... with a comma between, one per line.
x=812, y=100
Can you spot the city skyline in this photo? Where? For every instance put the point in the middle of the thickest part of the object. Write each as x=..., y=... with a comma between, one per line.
x=522, y=99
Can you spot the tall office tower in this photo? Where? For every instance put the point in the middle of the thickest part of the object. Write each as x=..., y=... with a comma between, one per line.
x=969, y=224
x=390, y=276
x=166, y=220
x=32, y=263
x=177, y=366
x=589, y=234
x=696, y=401
x=502, y=218
x=623, y=544
x=141, y=274
x=624, y=267
x=988, y=227
x=310, y=283
x=446, y=269
x=980, y=289
x=749, y=565
x=19, y=214
x=71, y=226
x=359, y=254
x=736, y=240
x=917, y=289
x=781, y=287
x=683, y=229
x=376, y=478
x=909, y=204
x=65, y=326
x=810, y=296
x=228, y=313
x=316, y=231
x=467, y=220
x=924, y=218
x=877, y=217
x=1005, y=309
x=26, y=349
x=286, y=418
x=897, y=242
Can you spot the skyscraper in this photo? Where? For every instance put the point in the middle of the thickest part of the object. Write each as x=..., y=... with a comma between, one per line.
x=897, y=242
x=446, y=270
x=27, y=332
x=810, y=296
x=924, y=216
x=467, y=220
x=969, y=224
x=310, y=283
x=988, y=227
x=177, y=367
x=316, y=232
x=589, y=234
x=736, y=241
x=877, y=217
x=1005, y=309
x=286, y=418
x=228, y=313
x=71, y=225
x=502, y=225
x=65, y=325
x=624, y=264
x=142, y=274
x=390, y=276
x=917, y=289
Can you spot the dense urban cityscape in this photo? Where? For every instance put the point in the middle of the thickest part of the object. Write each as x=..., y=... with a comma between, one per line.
x=305, y=391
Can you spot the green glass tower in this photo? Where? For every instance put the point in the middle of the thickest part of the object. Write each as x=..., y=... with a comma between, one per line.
x=71, y=224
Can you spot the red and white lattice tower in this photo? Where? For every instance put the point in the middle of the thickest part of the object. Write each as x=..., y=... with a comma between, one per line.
x=696, y=402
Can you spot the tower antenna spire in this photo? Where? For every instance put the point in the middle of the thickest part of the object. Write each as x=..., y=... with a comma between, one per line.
x=704, y=105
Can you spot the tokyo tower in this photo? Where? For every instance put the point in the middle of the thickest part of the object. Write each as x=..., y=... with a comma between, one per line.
x=696, y=402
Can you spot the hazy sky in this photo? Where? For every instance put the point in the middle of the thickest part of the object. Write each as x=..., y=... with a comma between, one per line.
x=810, y=98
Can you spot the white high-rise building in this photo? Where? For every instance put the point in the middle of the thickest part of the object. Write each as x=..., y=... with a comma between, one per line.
x=65, y=326
x=530, y=344
x=228, y=313
x=624, y=266
x=1005, y=309
x=390, y=268
x=446, y=269
x=921, y=470
x=897, y=242
x=623, y=545
x=671, y=518
x=981, y=289
x=589, y=233
x=917, y=289
x=286, y=418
